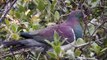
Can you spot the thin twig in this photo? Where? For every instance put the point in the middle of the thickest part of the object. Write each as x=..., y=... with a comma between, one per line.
x=38, y=56
x=97, y=28
x=15, y=53
x=7, y=10
x=64, y=48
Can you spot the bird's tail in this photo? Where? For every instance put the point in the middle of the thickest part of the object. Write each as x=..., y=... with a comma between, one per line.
x=21, y=44
x=26, y=35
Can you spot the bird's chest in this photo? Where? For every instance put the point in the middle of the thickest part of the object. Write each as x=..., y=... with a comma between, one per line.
x=78, y=31
x=77, y=28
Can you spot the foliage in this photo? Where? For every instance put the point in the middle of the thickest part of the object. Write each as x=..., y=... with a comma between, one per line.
x=56, y=45
x=29, y=15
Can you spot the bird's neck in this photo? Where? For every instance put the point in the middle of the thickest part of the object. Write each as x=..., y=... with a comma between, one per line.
x=72, y=17
x=74, y=23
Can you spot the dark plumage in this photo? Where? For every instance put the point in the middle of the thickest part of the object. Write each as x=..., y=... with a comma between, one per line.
x=69, y=29
x=27, y=43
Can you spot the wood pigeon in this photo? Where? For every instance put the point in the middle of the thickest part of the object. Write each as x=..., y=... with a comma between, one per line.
x=70, y=29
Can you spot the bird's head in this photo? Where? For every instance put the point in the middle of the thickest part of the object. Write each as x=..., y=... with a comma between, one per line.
x=78, y=14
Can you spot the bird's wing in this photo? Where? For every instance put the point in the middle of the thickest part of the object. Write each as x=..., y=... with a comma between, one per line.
x=48, y=33
x=40, y=35
x=39, y=39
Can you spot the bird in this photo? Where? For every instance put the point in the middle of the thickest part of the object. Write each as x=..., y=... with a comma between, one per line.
x=70, y=29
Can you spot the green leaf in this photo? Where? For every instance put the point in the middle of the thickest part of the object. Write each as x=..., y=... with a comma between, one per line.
x=17, y=14
x=14, y=27
x=8, y=58
x=53, y=5
x=15, y=36
x=93, y=0
x=91, y=28
x=41, y=4
x=80, y=41
x=7, y=22
x=21, y=8
x=11, y=12
x=52, y=55
x=56, y=39
x=94, y=3
x=95, y=48
x=50, y=43
x=56, y=36
x=35, y=26
x=78, y=52
x=104, y=49
x=57, y=49
x=57, y=15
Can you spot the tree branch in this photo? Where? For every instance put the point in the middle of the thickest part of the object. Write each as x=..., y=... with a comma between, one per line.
x=7, y=9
